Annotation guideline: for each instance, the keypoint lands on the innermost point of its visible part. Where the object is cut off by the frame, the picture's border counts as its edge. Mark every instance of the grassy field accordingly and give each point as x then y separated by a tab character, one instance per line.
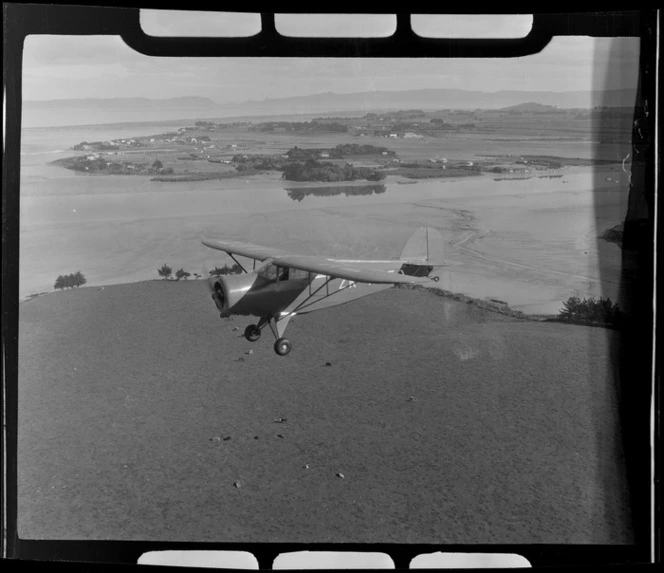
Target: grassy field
142	415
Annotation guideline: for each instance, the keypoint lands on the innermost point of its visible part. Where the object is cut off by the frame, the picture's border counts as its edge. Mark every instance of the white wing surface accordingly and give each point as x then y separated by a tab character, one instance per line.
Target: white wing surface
319	265
339	270
256	252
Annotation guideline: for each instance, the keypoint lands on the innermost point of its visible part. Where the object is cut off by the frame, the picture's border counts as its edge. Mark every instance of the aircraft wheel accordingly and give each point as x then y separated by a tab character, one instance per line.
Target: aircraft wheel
252	333
435	279
282	346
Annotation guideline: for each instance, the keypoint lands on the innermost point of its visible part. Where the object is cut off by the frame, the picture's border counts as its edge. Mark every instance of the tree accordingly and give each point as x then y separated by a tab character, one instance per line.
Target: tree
157	165
70	281
165	272
182	274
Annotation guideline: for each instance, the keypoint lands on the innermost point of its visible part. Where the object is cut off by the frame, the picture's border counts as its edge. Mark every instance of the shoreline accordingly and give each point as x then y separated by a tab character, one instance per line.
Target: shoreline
499	307
490	305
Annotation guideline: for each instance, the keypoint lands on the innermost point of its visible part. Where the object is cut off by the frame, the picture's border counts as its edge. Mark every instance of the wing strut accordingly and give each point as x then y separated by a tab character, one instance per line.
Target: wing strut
238	262
306	302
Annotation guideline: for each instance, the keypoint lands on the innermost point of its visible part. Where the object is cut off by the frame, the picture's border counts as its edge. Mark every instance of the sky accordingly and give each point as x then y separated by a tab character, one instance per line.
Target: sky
66	67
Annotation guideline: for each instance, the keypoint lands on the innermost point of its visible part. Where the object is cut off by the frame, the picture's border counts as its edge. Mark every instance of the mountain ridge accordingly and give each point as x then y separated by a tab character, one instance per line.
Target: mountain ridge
122	102
85	111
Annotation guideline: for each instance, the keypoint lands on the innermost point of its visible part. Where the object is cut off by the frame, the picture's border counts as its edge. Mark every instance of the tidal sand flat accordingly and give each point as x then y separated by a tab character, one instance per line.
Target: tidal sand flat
403	417
530	243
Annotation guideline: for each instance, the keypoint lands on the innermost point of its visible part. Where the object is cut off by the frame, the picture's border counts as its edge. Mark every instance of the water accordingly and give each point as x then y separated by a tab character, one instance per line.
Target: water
300	193
528	242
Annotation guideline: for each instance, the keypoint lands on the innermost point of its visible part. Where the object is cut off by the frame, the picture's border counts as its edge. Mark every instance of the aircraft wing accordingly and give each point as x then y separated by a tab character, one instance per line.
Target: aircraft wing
352	272
339	270
248	250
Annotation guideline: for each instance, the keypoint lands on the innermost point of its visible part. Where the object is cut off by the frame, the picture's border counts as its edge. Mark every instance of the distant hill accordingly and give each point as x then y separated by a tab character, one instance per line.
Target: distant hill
442	99
185	102
135	109
531	106
378	100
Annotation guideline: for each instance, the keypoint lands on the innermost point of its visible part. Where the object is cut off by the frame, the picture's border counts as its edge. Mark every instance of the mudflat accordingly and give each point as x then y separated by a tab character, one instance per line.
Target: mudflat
404	417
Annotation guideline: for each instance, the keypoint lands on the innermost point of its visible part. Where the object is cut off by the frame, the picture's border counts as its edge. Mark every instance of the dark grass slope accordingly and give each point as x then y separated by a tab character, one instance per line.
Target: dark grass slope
449	423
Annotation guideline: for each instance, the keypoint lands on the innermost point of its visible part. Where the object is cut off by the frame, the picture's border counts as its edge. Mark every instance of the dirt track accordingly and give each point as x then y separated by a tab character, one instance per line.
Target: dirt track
140	409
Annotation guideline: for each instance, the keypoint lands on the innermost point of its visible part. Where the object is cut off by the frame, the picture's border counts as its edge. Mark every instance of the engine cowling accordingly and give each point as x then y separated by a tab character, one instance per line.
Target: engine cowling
228	290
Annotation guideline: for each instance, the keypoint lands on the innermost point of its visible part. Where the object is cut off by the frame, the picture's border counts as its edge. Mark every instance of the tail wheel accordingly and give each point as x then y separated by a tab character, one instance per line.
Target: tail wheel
252	333
282	346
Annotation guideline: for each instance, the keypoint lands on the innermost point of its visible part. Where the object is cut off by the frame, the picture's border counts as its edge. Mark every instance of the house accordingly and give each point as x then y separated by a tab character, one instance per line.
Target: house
393	135
411	135
325	154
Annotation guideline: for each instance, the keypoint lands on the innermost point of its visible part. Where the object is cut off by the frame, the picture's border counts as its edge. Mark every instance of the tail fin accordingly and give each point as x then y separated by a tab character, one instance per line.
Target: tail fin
425	247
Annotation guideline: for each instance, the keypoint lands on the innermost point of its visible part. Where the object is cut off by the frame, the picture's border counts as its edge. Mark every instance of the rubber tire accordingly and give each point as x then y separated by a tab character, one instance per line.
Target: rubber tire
252	333
282	346
435	279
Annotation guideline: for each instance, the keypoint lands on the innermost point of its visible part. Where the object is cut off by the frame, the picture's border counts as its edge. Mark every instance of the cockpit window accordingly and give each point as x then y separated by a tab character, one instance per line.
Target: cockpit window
273	273
283	273
268	272
297	274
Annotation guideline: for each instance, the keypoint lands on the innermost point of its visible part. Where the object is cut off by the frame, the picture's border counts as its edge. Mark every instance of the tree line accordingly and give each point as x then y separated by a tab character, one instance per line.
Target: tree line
166	272
602	311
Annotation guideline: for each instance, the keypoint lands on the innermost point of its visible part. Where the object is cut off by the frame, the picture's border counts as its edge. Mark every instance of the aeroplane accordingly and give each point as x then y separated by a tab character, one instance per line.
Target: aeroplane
286	284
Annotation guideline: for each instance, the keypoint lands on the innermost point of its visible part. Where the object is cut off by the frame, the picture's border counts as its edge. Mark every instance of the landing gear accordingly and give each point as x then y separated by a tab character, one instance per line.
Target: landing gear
278	326
435	279
282	346
252	333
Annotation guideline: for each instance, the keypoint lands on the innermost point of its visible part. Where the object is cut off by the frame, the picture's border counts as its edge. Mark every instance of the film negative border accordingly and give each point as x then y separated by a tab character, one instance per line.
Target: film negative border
21	20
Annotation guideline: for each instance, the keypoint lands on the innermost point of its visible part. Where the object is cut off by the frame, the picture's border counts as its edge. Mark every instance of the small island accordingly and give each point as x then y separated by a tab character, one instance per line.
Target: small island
415	143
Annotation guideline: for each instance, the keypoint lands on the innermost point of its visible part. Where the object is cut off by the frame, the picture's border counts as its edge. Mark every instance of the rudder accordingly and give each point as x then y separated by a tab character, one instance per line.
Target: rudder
425	247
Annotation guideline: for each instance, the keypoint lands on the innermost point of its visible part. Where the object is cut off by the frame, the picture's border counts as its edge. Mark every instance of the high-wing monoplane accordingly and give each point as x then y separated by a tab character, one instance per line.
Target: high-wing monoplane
285	284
